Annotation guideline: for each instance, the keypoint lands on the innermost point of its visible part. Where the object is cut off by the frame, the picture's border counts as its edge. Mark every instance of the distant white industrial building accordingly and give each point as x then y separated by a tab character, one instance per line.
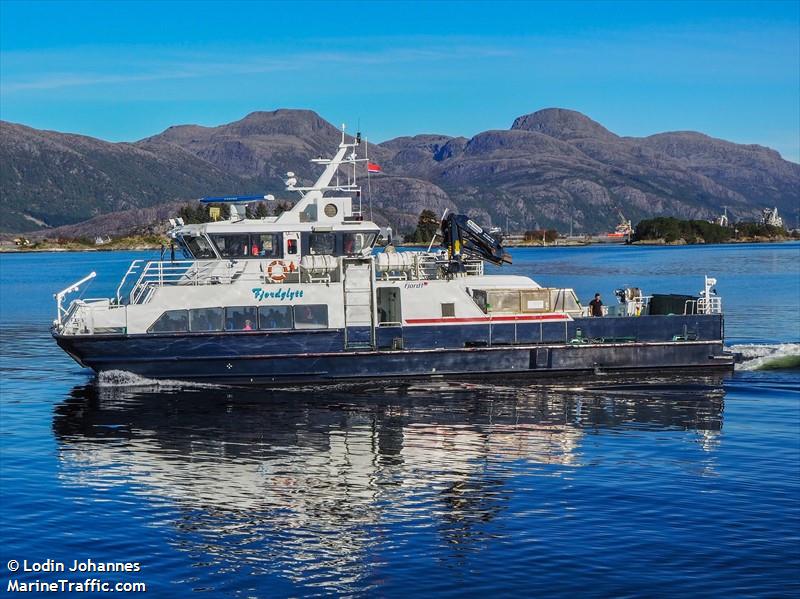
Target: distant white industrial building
770	217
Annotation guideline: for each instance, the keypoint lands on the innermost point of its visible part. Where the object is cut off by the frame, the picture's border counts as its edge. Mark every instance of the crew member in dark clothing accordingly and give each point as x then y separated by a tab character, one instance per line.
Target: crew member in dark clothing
596	306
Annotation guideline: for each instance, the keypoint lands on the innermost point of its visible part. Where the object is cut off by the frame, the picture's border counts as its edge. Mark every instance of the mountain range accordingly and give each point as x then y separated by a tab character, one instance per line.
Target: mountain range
552	168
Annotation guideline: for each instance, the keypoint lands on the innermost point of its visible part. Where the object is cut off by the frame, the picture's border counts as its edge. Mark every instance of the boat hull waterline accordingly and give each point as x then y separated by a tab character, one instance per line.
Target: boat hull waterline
317	357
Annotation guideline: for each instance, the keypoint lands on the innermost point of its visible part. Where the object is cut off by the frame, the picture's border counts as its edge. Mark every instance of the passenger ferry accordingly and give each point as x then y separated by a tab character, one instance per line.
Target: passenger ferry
307	297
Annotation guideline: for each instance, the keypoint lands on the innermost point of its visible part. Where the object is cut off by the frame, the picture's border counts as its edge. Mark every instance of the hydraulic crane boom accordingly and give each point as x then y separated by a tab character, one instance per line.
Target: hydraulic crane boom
463	237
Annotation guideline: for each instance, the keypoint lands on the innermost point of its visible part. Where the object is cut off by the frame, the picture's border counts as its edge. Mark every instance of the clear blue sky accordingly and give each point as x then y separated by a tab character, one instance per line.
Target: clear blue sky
126	70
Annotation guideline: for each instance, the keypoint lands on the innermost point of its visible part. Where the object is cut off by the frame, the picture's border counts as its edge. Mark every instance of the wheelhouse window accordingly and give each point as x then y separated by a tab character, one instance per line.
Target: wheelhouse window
354	243
197	247
265	245
275	317
171	321
322	243
312	316
206	319
241	318
232	246
256	245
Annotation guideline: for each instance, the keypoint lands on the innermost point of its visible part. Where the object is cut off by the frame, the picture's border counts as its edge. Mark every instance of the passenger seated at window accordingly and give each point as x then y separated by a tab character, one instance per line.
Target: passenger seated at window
205	319
236	318
310	317
271	321
275	317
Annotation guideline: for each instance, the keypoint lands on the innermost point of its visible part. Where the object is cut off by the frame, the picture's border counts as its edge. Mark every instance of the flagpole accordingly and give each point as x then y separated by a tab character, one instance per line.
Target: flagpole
369	181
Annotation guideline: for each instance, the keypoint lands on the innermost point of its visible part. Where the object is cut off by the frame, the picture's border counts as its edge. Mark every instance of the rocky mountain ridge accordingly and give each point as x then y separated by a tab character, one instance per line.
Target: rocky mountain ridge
551	168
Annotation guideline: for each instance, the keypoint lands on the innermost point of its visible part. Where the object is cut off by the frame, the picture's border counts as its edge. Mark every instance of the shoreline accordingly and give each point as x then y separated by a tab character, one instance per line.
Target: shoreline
645	243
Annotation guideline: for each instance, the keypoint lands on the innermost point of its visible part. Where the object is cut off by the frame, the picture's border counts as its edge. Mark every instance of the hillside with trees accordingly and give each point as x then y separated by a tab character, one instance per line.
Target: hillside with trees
672	230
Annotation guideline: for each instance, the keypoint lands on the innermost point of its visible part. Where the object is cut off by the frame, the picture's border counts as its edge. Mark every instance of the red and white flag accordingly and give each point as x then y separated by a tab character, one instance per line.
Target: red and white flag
373	168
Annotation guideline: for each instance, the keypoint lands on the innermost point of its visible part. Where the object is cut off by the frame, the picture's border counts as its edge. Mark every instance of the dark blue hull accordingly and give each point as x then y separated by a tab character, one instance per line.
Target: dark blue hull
300	357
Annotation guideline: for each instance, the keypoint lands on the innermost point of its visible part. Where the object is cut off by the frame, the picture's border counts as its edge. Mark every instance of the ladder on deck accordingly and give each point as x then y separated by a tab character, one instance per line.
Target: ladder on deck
358	287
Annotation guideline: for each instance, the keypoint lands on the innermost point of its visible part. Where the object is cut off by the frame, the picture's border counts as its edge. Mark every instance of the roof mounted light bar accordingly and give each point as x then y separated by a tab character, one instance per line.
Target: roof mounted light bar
236	199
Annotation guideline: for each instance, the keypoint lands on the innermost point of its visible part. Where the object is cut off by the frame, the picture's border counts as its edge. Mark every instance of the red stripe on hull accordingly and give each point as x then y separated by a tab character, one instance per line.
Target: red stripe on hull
548	317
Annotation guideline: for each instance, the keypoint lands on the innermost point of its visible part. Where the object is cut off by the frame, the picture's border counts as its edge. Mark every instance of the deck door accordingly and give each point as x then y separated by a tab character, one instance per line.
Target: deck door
358	288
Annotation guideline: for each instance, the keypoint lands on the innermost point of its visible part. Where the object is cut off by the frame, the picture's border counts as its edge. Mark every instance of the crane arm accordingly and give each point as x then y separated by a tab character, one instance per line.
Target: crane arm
462	236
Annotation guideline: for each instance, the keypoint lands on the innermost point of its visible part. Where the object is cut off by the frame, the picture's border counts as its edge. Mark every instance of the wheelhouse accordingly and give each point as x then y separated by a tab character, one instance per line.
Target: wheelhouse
206	242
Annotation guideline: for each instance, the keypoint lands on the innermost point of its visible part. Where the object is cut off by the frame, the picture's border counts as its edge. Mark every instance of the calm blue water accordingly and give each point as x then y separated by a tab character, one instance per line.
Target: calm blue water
602	487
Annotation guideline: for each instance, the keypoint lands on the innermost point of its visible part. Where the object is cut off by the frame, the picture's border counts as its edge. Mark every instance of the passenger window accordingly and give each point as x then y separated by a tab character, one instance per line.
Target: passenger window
205	319
448	310
322	243
171	321
311	317
275	317
241	318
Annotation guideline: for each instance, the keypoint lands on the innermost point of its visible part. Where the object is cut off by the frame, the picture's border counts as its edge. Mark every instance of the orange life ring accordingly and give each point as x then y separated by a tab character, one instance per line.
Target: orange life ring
277	278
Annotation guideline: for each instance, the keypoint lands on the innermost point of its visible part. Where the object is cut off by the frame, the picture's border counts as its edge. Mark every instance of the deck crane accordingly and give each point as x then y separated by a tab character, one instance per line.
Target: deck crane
462	237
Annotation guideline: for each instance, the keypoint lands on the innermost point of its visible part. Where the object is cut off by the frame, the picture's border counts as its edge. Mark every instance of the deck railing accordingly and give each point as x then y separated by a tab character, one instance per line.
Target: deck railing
704	305
180	272
142	278
62	314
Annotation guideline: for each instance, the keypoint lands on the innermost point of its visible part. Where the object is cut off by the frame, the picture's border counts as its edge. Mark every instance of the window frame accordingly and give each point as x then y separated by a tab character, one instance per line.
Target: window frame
151	331
221	319
310	244
288	308
326	325
184	241
368	237
254	319
277	245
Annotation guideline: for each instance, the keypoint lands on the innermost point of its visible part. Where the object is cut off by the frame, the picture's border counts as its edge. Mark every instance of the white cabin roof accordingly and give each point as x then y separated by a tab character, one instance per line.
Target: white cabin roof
270	225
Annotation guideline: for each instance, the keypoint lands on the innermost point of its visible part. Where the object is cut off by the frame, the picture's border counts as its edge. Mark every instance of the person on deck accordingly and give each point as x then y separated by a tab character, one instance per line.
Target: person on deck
596	306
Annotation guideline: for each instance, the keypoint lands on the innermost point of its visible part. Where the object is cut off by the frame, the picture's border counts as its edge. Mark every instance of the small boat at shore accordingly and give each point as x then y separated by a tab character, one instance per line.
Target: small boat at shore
622	233
308	297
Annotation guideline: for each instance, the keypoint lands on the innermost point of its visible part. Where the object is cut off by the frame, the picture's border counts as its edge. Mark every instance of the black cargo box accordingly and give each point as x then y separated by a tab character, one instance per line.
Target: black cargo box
673	304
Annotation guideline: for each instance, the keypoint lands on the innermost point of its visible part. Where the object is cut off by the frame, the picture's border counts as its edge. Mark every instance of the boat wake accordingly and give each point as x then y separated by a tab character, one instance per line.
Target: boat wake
123	378
778	356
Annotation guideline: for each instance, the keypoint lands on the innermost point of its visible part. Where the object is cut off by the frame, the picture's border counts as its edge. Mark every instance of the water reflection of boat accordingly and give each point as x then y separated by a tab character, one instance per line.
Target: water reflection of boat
307	480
